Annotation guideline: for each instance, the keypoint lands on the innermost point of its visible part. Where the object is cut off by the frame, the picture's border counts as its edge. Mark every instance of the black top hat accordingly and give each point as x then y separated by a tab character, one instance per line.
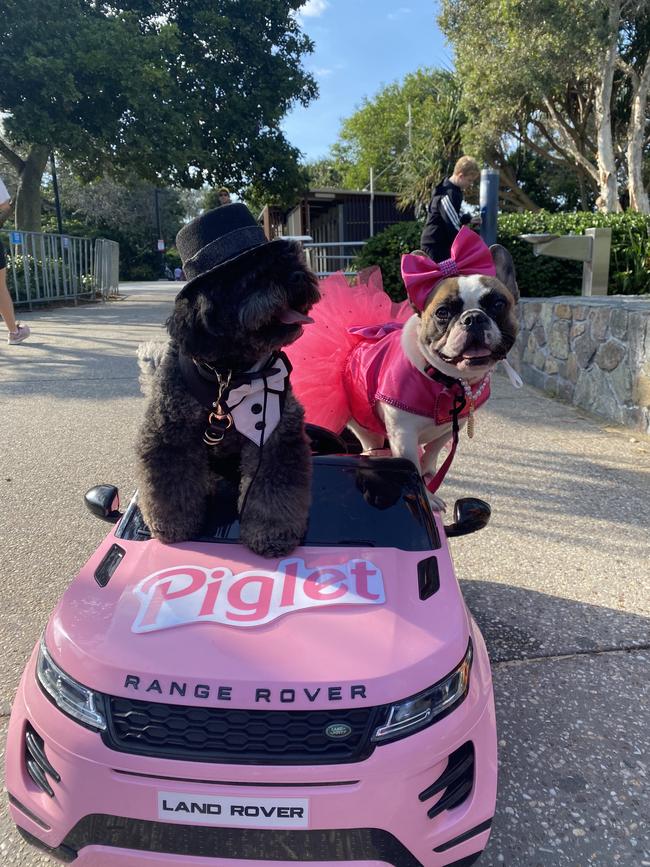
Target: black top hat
216	238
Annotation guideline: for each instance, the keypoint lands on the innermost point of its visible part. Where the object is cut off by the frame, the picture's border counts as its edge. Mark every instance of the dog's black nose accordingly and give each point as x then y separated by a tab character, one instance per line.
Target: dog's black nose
474	318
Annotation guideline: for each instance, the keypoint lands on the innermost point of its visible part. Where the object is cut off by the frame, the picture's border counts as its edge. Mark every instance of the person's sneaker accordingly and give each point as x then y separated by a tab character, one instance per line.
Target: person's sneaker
17	336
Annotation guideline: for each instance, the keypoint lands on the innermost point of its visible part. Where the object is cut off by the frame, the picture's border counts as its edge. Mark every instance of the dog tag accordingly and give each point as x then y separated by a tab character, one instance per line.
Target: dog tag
217	427
470	420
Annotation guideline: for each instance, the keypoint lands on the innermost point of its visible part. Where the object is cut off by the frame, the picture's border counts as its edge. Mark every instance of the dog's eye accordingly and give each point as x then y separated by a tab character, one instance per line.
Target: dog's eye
498	304
443	313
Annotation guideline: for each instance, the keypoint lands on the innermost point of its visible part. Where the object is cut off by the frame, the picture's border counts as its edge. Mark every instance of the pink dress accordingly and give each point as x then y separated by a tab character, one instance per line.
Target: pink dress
352	356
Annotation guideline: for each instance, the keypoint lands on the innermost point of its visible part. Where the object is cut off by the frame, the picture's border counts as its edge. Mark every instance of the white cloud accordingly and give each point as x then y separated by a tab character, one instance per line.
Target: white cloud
313	8
399	13
322	71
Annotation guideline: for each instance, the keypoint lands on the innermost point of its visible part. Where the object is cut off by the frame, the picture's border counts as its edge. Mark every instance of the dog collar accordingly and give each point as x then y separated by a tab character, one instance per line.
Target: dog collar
437	375
251	401
471	395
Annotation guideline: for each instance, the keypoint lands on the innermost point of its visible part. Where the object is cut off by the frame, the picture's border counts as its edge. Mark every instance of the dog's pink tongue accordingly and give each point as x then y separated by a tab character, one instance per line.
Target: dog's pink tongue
476	353
292	317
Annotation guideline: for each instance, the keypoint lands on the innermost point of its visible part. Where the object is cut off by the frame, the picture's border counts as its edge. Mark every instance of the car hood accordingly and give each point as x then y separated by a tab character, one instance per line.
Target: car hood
199	623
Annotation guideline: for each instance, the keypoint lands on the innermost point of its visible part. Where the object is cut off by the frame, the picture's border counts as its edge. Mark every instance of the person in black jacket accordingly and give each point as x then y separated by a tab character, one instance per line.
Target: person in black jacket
443	217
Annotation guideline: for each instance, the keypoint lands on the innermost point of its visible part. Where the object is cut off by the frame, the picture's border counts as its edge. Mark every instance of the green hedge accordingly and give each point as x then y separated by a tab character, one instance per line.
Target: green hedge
385	250
539	276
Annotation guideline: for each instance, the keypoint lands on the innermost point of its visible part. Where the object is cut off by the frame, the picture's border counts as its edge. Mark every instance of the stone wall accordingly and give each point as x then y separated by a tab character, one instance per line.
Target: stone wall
592	352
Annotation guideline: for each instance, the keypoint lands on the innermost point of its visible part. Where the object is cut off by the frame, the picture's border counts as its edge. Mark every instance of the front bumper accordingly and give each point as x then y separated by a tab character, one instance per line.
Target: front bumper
105	808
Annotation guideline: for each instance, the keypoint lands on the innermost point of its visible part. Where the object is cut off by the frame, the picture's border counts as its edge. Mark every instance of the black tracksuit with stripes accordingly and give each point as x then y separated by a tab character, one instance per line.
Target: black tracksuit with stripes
443	221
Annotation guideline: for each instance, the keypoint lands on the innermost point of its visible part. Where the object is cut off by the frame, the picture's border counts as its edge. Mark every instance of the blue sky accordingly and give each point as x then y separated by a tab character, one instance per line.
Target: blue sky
360	46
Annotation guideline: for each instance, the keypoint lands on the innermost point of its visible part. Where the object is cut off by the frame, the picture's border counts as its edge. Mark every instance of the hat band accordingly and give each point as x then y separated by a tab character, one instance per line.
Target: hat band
222	249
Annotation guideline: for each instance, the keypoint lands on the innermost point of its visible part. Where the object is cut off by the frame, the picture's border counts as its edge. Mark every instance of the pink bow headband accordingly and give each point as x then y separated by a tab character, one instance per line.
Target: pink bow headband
469	255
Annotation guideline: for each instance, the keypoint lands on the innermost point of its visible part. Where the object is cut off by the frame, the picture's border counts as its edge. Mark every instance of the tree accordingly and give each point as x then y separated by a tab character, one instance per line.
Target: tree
181	92
409	134
547	186
377	135
634	61
434	140
129	206
327	172
124	211
411	155
566	78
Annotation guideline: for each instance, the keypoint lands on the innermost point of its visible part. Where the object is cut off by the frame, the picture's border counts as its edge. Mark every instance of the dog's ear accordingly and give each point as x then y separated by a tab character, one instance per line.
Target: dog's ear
259	307
189	318
505	269
181	319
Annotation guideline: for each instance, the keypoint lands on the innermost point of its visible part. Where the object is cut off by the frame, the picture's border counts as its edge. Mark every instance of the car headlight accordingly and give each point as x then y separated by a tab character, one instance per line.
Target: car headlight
75	700
425	708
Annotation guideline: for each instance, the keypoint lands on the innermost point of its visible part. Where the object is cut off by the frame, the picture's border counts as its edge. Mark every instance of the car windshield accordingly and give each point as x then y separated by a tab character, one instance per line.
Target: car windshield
375	502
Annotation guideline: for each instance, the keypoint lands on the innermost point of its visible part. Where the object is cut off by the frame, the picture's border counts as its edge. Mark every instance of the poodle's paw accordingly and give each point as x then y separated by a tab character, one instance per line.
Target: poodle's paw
269	542
170	531
167	535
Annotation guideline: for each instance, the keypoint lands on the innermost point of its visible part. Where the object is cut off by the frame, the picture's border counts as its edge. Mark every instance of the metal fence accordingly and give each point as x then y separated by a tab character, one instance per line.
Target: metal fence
42	268
338	256
107	267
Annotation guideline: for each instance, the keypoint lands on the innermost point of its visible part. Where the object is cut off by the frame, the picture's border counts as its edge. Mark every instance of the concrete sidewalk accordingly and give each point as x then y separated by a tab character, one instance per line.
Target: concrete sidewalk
559	581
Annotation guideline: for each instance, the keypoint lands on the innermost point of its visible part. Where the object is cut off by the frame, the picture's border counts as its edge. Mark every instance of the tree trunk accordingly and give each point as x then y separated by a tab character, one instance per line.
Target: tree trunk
635	141
514	195
608	186
28	199
583	190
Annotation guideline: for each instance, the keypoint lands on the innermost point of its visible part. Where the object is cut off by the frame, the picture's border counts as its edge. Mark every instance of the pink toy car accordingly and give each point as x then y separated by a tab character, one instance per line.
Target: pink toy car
197	705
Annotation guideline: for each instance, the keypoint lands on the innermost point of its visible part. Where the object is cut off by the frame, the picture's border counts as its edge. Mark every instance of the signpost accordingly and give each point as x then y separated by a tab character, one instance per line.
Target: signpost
489	202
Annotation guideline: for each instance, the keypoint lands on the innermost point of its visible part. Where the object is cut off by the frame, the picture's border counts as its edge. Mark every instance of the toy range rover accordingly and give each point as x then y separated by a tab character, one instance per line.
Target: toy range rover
198	705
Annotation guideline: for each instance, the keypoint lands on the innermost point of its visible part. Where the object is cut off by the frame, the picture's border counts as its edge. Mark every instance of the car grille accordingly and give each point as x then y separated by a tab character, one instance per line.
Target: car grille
240	844
272	737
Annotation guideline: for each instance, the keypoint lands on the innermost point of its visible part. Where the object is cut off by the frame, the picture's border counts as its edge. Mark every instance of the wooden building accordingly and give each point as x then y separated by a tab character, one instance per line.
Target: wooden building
330	216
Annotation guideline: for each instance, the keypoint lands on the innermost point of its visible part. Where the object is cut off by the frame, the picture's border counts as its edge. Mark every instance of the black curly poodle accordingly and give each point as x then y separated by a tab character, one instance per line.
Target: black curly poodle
226	333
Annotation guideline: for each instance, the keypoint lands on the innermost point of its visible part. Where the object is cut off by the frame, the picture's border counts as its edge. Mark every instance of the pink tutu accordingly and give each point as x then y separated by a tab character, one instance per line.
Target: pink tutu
320	356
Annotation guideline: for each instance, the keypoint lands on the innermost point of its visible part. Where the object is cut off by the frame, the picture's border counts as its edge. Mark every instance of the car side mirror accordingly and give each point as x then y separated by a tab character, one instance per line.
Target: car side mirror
104	502
470	514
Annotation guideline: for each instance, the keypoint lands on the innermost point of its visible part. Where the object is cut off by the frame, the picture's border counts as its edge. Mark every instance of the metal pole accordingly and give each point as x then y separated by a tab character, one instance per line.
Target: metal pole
410	126
159	228
489	203
372	201
595	271
57	201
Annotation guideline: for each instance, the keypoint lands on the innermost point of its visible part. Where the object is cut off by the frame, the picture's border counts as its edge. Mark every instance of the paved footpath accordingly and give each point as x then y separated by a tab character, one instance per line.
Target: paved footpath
559	581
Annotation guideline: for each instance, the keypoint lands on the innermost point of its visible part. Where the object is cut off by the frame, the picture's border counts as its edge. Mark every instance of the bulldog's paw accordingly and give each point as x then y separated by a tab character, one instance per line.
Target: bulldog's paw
437	503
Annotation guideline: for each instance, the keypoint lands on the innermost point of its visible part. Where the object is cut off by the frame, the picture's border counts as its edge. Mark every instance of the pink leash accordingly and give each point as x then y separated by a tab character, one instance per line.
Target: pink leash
436	481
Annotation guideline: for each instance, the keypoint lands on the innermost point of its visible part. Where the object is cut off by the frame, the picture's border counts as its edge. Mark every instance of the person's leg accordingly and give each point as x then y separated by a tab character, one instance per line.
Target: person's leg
17	333
6	304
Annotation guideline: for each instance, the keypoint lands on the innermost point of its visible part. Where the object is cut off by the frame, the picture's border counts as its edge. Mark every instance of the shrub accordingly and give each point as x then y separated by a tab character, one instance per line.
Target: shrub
142	273
173	258
385	250
540	276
